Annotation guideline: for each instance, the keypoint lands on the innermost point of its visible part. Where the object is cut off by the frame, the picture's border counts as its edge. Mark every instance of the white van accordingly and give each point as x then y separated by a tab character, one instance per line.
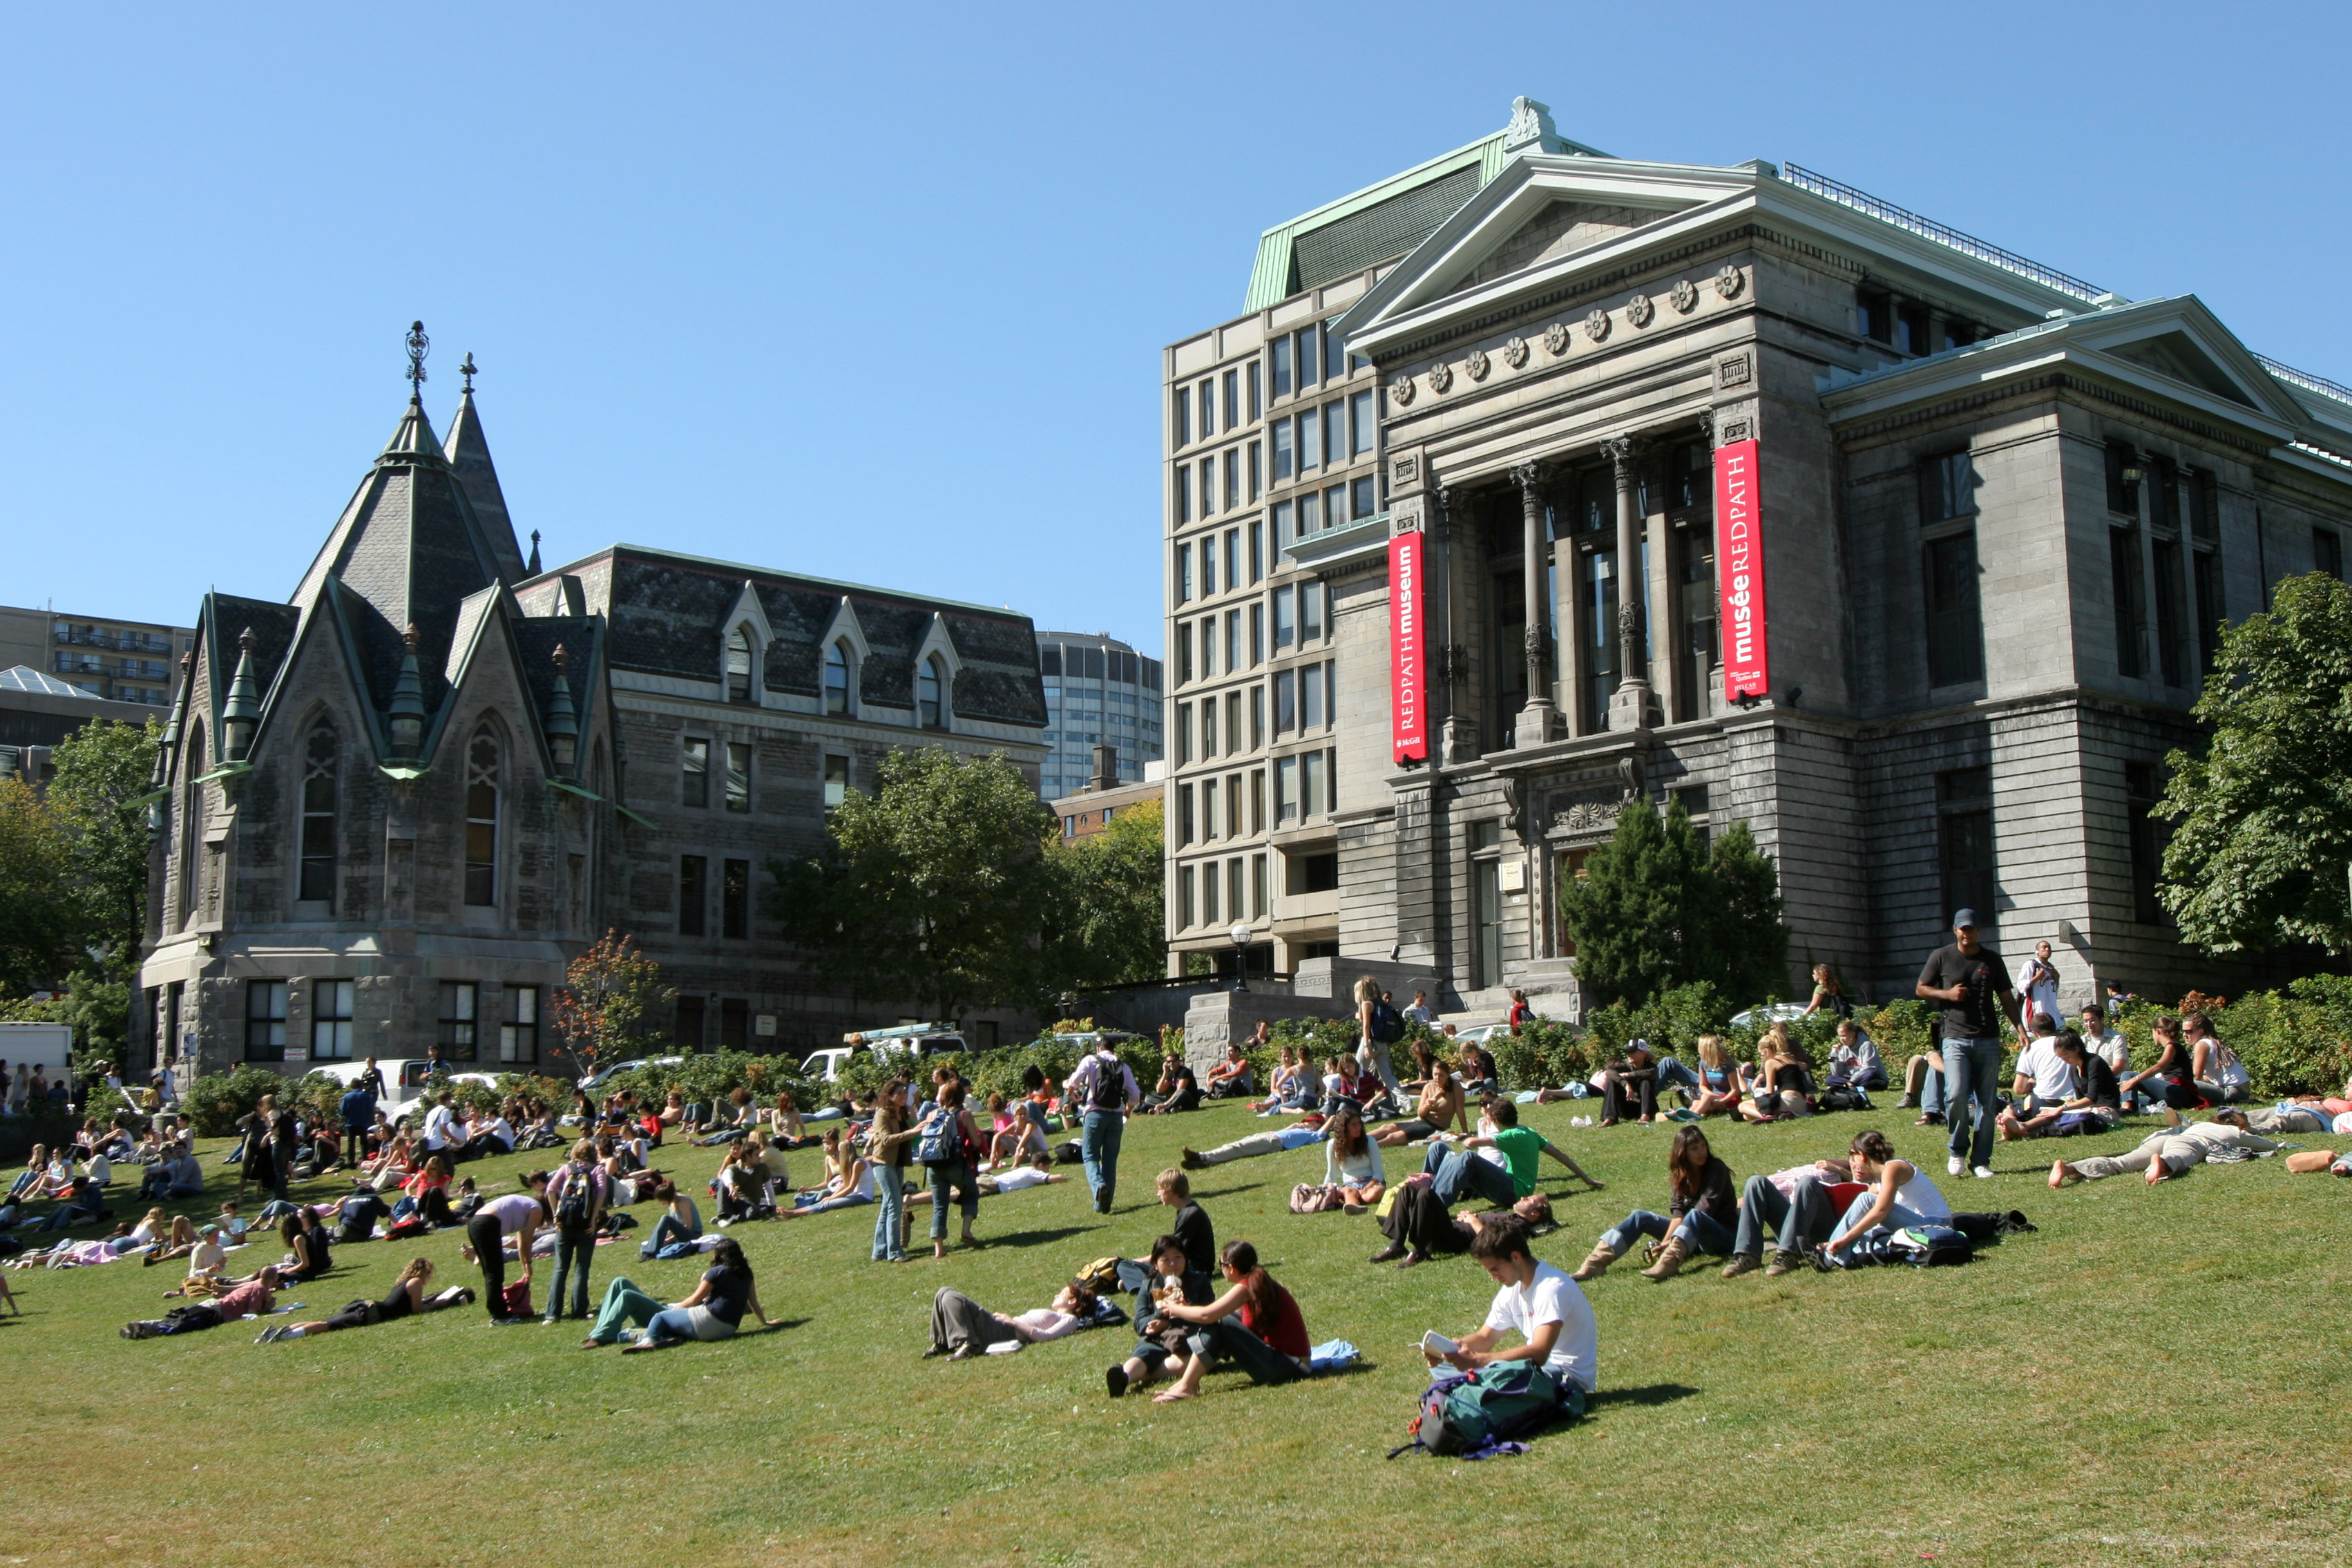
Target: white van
48	1046
403	1082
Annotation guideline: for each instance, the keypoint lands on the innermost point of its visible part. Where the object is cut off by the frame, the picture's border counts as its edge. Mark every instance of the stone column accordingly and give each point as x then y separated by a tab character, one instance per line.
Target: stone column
1630	705
1539	721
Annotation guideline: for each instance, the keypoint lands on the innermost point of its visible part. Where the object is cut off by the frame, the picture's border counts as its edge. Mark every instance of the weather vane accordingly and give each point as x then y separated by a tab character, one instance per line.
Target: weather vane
419	345
468	370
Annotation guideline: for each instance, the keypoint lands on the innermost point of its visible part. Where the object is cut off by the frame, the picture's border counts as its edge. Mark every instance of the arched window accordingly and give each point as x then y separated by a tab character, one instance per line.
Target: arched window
836	680
930	688
192	823
318	879
482	819
738	665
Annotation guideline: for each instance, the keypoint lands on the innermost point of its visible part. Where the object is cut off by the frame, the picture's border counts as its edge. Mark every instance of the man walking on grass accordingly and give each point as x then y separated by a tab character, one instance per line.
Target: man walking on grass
1105	1090
1973	983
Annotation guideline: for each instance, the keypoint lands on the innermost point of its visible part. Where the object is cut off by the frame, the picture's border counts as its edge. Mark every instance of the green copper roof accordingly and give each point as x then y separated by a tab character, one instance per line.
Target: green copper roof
1395	215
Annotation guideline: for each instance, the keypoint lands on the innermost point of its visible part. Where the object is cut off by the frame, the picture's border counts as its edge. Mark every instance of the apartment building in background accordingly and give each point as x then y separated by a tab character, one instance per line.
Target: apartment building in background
122	661
1098	692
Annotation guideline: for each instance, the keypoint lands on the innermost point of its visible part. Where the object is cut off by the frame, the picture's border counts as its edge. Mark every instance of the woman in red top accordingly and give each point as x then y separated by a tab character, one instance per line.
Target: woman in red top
1520	1012
1255	1325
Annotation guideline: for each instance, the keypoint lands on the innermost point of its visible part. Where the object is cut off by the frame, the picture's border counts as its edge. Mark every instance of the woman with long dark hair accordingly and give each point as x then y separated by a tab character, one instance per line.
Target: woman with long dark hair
2175	1084
1255	1324
1703	1214
889	1144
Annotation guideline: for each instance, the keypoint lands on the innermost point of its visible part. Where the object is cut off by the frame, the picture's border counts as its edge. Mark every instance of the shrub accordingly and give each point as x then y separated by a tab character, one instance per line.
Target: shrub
218	1101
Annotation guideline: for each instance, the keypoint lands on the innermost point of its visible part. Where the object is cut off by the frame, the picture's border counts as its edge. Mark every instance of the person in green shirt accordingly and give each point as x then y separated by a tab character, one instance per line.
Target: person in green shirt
1456	1168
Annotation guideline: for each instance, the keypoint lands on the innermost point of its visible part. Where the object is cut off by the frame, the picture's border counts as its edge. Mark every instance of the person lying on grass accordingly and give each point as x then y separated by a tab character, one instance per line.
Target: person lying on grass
249	1299
2167	1153
1032	1174
1534	1300
1255	1324
962	1328
407	1299
1297	1135
1169	1280
1419	1227
1703	1214
713	1311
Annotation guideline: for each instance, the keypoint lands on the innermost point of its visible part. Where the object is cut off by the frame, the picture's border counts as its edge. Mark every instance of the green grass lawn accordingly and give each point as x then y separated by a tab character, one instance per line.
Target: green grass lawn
2151	1378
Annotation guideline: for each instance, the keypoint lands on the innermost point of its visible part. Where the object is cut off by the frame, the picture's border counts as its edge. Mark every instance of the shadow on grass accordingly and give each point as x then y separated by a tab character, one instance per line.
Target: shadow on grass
1039	1237
1649	1395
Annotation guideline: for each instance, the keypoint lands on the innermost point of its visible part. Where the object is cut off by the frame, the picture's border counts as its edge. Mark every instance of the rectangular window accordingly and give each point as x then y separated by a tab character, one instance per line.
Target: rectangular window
735	1013
1335	432
1256	551
1232	398
2131	601
265	1020
1233	641
2123	479
1257	471
1282	368
331	1006
1183	652
1257	718
1232	722
1232	559
1208	485
1911	330
1283	461
2143	788
693	877
1310	611
1254	400
1256	635
1208	565
1183	492
1233	874
458	1019
1184	734
688	1027
1184	573
1183	416
1286	792
1208	409
1209	646
1183	814
1208	810
1257	887
1964	841
1875	317
2171	611
1209	880
1208	727
1310	360
1335	354
1367	495
1281	524
1257	803
2327	552
1335	505
518	1032
1234	806
735	900
1955	617
1367	424
1185	911
1310	513
836	780
1310	442
1285	629
1311	696
738	776
1233	477
1285	709
1948	486
1310	785
694	784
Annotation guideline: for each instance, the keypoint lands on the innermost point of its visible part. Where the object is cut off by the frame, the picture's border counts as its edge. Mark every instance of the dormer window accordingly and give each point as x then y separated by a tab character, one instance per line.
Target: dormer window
738	665
836	680
930	688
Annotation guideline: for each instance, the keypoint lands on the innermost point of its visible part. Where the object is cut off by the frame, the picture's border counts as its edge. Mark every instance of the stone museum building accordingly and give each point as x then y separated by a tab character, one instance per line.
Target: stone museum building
392	807
1534	479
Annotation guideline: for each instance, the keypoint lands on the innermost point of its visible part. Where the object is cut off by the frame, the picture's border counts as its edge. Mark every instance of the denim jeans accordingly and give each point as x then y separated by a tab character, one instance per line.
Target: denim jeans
1098	1147
666	1229
1454	1171
1793	1223
890	1187
955	1174
1675	1070
623	1305
573	1250
1700	1233
1226	1339
1972	1068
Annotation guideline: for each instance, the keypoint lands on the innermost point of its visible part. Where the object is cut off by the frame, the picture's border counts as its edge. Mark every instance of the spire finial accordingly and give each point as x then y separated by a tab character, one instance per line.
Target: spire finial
563	660
468	370
419	345
409	637
534	553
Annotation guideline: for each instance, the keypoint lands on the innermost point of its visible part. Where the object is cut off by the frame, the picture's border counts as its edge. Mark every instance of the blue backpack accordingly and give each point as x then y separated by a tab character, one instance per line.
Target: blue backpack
1465	1416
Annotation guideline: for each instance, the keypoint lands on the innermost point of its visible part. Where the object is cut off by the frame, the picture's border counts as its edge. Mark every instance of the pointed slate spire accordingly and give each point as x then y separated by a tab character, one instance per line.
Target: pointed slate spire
469	453
408	703
562	721
533	567
242	712
412	438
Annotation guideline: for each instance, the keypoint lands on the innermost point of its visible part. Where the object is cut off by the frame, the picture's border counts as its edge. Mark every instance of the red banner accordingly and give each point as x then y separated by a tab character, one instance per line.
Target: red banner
1408	649
1739	572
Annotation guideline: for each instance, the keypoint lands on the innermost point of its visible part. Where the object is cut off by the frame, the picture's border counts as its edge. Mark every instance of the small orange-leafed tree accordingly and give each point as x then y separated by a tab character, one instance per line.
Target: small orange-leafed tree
610	1006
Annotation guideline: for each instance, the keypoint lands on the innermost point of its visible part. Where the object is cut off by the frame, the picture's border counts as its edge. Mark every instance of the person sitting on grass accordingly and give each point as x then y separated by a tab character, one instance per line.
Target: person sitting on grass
743	1187
1540	1304
179	1242
408	1299
1900	1193
251	1299
2218	1073
1170	1279
2169	1079
1231	1078
1182	1091
2043	1081
1855	1061
1192	1228
1441	1106
849	1180
1923	1087
1458	1166
1255	1324
1293	1088
175	1175
1351	1162
962	1328
713	1311
680	1221
1634	1075
739	1120
2094	1107
79	1204
1703	1214
1475	1063
1419	1226
1793	1208
1719	1078
2167	1153
429	1190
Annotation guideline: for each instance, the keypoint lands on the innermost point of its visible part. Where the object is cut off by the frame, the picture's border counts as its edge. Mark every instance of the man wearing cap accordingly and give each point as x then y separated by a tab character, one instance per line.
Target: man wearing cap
1973	983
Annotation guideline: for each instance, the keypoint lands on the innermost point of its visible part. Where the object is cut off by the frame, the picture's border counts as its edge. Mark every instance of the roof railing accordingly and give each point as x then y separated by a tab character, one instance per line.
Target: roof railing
1942	234
2306	380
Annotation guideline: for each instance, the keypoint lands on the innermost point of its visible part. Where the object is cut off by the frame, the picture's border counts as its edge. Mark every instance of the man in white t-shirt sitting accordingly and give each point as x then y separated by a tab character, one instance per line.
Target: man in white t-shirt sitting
440	1124
1537	1302
2045	1081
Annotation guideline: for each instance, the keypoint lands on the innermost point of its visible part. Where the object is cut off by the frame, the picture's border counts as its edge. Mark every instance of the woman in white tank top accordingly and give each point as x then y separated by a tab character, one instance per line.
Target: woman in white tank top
1900	1193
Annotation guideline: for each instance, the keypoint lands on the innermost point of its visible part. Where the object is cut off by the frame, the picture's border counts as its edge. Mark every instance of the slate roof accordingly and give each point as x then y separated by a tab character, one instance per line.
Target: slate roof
469	455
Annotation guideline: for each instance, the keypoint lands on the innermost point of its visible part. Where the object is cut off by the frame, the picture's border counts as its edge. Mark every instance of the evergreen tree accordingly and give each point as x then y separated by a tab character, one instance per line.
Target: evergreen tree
1746	955
1653	910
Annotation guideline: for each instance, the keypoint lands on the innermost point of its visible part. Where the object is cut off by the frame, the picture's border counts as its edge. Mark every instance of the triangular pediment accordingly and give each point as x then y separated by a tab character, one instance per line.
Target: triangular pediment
1564	225
2177	354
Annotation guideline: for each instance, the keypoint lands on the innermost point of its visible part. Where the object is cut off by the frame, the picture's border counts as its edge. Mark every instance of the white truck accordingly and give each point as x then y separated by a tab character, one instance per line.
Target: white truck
48	1046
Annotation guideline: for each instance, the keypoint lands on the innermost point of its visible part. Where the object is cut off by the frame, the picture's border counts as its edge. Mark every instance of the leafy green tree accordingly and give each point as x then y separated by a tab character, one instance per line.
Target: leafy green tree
2262	821
1655	911
100	768
934	887
1746	952
40	913
1112	923
611	1004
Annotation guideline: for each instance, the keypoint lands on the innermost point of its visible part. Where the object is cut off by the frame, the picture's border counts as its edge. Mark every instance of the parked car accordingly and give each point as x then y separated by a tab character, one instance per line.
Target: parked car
1769	1013
825	1065
596	1080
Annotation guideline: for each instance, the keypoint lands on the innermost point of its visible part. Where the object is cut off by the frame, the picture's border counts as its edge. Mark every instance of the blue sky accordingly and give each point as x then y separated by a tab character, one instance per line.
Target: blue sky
877	292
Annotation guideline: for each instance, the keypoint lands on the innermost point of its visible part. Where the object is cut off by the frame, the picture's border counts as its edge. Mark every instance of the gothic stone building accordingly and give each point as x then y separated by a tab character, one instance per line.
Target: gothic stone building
1973	521
393	808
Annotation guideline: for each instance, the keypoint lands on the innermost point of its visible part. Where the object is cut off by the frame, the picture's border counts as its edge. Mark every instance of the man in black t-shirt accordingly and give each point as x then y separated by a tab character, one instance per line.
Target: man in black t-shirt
1973	983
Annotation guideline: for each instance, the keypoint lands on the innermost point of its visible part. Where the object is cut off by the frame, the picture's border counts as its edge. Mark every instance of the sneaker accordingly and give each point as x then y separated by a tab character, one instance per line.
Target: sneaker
1192	1161
1910	1102
1983	1172
1115	1380
1954	1166
550	1320
1742	1263
270	1335
1783	1262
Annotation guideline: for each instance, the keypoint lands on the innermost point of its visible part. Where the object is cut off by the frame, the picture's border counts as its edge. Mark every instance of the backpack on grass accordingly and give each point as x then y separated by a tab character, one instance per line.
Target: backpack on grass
1921	1246
1475	1418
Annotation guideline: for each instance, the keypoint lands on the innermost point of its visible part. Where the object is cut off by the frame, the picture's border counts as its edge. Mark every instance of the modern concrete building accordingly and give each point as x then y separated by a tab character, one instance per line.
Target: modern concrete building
1730	485
1098	692
394	807
122	661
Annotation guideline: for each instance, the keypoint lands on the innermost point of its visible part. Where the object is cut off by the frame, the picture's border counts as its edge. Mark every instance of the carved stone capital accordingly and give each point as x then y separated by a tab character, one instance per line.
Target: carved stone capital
1622	451
1528	475
1626	623
1706	424
1532	638
1440	510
